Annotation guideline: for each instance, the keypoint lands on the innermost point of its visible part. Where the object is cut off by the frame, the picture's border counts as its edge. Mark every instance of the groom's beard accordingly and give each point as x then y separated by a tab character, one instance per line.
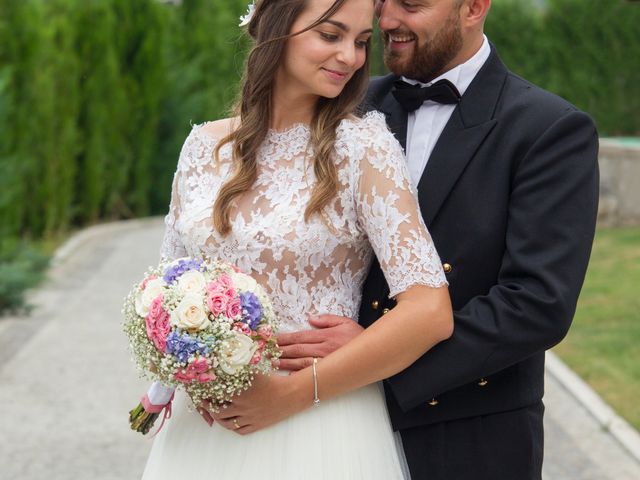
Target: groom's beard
429	60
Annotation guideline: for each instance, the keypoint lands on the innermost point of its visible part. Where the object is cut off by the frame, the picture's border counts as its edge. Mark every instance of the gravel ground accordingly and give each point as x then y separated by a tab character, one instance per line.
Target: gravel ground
66	380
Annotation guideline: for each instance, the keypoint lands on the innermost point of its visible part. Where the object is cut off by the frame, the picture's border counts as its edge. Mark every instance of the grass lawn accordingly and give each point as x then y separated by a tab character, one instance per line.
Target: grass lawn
603	345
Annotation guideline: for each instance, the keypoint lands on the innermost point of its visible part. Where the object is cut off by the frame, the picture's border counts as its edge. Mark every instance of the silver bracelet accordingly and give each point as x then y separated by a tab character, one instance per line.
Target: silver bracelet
316	400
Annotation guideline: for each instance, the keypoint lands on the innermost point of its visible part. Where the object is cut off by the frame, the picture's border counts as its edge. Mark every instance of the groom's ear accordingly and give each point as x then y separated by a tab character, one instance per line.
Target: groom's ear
473	13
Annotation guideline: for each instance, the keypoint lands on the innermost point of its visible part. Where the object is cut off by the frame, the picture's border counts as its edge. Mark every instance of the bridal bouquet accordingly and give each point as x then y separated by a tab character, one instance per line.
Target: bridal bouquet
199	325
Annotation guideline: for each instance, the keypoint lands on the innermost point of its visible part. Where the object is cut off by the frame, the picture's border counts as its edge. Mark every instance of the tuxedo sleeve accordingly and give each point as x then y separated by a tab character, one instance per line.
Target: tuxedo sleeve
551	214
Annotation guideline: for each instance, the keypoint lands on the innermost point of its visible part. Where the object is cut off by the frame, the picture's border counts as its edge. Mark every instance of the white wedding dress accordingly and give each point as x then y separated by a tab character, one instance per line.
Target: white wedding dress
307	268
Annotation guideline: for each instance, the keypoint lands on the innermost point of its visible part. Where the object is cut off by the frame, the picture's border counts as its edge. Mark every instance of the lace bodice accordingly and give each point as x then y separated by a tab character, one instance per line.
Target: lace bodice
315	267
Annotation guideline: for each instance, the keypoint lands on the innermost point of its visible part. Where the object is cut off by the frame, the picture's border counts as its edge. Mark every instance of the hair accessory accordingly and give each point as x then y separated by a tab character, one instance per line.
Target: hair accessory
245	19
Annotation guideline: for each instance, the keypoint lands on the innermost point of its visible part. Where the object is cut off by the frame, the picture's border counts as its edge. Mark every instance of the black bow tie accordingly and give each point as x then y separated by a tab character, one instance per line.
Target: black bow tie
412	96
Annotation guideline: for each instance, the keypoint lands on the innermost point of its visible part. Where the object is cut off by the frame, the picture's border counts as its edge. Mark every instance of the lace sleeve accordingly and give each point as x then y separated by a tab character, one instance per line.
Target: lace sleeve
388	211
172	246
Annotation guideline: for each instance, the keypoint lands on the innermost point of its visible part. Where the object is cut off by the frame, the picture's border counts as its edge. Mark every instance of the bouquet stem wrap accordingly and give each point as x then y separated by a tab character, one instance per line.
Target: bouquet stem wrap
145	414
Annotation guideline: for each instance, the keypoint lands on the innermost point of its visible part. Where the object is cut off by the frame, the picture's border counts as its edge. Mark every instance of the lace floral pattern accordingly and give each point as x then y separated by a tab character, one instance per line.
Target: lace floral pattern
307	267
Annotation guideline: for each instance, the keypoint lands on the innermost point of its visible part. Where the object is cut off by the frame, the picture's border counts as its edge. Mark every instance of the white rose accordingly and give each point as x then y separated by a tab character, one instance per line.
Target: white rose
192	282
190	313
236	352
243	282
144	298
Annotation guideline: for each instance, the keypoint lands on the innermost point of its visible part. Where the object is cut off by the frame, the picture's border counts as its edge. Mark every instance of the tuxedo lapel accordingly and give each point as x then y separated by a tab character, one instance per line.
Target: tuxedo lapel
470	123
453	151
468	126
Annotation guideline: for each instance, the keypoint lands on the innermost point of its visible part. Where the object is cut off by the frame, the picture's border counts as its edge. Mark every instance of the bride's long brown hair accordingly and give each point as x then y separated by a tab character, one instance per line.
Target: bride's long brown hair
269	28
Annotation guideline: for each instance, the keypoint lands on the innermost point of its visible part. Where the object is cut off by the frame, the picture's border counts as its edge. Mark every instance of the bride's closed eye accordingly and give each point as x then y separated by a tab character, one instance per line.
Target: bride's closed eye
329	37
332	37
363	43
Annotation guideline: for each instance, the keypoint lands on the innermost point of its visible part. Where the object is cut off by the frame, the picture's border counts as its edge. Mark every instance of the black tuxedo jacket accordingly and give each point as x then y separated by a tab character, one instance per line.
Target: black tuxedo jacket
510	197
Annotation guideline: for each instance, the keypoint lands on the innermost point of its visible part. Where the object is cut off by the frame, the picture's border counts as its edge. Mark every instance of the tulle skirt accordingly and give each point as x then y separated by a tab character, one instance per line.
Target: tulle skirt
349	437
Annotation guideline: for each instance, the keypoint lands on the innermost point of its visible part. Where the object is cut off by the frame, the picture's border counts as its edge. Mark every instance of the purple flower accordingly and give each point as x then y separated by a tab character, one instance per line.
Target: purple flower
183	346
175	271
251	309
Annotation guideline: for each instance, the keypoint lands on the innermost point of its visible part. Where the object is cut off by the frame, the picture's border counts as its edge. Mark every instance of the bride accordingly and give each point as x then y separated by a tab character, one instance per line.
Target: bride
300	192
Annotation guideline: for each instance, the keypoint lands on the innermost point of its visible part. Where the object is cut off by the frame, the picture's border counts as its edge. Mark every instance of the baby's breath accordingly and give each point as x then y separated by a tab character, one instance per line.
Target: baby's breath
215	338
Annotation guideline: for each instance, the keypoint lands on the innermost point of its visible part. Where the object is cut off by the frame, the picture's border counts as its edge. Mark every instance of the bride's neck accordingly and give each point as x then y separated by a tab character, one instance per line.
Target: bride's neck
290	108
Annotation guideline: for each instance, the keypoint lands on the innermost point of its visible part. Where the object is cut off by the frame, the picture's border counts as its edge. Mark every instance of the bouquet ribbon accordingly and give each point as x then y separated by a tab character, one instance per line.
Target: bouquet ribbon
158	398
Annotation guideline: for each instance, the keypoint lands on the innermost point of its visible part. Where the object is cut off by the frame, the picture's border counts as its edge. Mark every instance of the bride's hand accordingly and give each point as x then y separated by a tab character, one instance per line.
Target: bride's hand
270	399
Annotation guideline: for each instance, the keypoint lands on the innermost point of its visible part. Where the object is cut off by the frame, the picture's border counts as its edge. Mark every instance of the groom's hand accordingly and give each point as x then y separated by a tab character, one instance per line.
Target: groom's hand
299	348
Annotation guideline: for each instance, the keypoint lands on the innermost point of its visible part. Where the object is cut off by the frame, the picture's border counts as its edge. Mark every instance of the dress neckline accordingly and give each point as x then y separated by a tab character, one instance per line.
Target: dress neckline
297	130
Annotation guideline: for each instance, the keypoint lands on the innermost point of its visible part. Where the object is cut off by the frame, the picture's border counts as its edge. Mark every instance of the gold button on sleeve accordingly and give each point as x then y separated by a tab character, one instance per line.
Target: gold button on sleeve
483	382
433	402
375	304
447	267
385	311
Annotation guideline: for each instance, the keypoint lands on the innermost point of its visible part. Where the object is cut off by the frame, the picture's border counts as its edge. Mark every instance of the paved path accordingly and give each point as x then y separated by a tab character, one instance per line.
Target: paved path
66	381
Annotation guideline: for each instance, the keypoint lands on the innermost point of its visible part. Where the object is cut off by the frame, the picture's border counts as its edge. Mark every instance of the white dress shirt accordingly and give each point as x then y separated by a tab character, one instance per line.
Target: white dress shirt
429	120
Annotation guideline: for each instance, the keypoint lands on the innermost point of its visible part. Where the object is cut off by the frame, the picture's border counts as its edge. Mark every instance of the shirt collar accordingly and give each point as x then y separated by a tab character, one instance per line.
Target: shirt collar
462	75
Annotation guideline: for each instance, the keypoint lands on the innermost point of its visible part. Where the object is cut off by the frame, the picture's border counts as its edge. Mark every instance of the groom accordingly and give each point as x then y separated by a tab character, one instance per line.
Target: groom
508	185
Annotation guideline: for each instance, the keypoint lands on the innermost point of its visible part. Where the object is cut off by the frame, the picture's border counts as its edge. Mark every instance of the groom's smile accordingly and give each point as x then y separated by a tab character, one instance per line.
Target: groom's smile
398	41
423	38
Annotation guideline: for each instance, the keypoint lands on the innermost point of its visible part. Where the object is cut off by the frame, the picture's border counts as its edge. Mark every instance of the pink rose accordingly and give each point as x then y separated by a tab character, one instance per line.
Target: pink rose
155	310
265	331
160	342
195	370
223	287
256	358
150	324
163	323
199	365
183	376
206	377
214	287
234	308
158	324
261	345
161	331
226	282
217	302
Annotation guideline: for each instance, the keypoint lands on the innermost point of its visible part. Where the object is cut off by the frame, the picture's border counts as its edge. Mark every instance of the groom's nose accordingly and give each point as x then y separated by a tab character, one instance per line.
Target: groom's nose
388	15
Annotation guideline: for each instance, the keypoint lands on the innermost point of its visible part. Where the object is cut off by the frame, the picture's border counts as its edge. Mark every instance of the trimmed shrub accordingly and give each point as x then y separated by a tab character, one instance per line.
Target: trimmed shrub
21	267
586	52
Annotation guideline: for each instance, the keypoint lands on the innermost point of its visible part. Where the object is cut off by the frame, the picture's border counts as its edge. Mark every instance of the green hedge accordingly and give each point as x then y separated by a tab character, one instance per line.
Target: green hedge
587	51
96	97
22	266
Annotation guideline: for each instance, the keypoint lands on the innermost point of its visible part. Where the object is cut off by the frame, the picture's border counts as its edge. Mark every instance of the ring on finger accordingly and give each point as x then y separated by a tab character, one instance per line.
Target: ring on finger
236	425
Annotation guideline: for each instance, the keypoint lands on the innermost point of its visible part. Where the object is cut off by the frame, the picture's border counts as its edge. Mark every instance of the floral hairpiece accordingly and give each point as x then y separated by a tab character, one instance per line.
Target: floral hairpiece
245	19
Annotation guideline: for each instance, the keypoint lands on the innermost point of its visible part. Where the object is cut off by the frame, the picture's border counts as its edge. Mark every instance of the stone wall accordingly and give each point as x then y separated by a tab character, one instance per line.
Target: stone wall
619	182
